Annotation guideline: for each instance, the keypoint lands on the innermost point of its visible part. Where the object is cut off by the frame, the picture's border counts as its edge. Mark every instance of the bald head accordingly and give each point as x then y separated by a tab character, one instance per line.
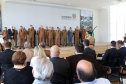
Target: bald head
55	51
86	71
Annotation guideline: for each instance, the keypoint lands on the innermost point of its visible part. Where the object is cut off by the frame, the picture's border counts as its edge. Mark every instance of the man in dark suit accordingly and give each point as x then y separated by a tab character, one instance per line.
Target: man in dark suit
6	56
88	50
61	67
70	35
122	53
111	55
11	34
79	48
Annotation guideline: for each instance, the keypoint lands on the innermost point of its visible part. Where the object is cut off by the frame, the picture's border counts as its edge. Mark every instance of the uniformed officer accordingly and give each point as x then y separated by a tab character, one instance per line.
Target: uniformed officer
38	35
5	34
22	36
58	36
31	33
41	33
46	35
26	32
64	37
54	35
50	33
83	32
76	35
15	37
91	40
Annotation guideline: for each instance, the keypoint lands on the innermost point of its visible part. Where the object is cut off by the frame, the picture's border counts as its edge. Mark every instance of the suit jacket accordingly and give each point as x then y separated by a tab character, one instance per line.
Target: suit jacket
111	57
29	54
89	51
70	34
122	56
76	58
10	33
6	56
61	69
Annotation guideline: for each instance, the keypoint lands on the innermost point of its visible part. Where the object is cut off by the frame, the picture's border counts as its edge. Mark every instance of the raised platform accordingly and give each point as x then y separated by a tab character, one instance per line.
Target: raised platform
69	50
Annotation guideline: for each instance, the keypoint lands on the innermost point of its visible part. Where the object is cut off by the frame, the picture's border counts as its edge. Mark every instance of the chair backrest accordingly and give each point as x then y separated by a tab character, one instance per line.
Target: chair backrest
28	63
59	82
100	55
115	70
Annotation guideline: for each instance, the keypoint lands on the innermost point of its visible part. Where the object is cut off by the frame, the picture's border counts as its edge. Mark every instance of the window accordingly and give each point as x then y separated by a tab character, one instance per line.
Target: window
117	21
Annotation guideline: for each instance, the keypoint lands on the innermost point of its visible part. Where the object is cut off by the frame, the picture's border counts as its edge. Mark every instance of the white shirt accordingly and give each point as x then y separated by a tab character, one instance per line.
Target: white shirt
97	81
1	39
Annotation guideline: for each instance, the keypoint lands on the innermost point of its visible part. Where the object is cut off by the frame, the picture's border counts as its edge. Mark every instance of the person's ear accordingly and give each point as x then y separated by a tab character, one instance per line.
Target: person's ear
51	75
33	72
25	64
78	76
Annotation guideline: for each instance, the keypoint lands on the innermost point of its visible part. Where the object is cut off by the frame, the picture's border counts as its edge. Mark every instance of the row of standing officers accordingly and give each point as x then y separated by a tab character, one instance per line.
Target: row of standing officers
49	36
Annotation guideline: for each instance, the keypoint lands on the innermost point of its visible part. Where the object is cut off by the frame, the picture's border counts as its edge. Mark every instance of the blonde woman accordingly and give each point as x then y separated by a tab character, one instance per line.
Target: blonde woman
38	53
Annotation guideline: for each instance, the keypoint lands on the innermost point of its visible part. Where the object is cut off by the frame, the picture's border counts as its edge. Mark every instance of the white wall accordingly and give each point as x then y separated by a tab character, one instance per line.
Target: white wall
20	13
104	25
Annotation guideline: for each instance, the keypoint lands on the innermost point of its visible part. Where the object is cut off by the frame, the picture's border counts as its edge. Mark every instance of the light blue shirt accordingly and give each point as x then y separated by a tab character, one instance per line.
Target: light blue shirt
97	81
54	56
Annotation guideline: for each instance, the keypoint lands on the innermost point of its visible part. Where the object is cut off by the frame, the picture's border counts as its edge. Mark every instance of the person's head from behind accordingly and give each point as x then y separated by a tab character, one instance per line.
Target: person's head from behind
85	71
120	43
113	43
27	44
42	44
8	45
39	52
55	51
19	58
89	33
42	69
86	42
79	48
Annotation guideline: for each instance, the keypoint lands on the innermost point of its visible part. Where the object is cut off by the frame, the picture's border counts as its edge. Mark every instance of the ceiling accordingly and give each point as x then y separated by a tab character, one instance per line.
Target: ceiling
93	4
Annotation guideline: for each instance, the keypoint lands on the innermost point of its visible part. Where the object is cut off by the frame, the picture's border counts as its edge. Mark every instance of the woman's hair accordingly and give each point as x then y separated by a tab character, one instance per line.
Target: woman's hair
39	52
19	58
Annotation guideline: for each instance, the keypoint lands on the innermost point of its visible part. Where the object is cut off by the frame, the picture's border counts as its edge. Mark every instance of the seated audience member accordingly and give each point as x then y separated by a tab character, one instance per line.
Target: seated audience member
47	52
6	56
122	53
79	48
42	71
29	53
88	50
20	73
111	56
86	74
38	53
61	67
